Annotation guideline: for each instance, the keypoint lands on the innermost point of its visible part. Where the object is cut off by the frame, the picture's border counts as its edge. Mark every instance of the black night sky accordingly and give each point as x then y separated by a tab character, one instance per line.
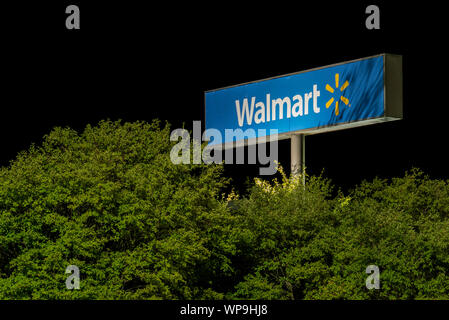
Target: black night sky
136	61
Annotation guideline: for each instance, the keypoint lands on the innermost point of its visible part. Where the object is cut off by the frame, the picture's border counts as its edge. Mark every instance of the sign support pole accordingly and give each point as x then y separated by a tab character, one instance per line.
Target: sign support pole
297	160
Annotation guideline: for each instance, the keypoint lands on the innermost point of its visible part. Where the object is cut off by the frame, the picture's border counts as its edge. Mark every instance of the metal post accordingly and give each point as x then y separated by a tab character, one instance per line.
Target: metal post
297	148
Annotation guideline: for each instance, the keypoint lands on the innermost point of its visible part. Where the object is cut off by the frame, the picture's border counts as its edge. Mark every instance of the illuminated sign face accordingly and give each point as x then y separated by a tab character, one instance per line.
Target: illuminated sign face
340	96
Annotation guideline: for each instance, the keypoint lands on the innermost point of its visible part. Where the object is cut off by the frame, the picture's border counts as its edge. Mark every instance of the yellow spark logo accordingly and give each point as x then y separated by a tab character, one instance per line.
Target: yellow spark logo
331	90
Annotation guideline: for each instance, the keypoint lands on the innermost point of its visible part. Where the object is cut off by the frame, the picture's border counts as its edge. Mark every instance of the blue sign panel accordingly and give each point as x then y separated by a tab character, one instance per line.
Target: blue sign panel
304	102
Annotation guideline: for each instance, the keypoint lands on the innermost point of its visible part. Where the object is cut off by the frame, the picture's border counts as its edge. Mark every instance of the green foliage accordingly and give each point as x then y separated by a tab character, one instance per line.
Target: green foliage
110	201
306	244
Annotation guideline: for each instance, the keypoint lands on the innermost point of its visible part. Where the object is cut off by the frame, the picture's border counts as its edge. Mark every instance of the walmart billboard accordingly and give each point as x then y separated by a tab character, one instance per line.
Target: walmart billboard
349	94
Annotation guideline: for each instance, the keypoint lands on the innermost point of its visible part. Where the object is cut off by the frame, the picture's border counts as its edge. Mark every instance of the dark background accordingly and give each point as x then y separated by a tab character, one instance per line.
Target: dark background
144	60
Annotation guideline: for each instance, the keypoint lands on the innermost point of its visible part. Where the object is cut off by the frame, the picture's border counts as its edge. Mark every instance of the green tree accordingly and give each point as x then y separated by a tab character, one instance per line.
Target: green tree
110	201
307	244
